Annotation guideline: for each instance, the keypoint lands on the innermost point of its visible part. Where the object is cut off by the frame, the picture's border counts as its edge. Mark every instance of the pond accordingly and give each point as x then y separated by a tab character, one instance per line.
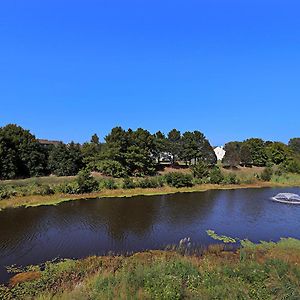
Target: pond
81	228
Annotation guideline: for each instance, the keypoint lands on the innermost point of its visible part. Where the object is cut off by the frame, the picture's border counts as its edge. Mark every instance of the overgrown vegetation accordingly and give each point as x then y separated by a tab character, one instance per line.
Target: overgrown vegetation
135	153
9	191
263	271
85	183
256	152
266	174
135	157
151	183
178	180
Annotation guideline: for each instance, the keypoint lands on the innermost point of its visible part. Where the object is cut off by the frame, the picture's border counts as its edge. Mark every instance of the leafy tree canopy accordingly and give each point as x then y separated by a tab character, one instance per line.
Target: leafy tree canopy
91	151
132	151
174	138
245	155
294	144
232	156
65	160
258	151
278	152
21	155
195	146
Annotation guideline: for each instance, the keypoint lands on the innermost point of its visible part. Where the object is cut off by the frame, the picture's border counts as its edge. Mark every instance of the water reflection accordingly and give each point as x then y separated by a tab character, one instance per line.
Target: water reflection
194	208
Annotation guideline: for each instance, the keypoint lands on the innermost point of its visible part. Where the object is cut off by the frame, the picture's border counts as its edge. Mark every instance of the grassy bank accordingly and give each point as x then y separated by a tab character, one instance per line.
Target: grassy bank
264	271
50	180
285	180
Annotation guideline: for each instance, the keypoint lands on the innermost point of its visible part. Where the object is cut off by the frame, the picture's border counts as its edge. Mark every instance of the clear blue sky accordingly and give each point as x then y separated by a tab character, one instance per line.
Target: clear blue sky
231	69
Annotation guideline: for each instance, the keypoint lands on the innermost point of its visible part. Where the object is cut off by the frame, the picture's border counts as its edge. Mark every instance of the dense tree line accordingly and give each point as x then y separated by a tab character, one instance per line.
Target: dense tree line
134	153
124	153
257	152
20	153
139	153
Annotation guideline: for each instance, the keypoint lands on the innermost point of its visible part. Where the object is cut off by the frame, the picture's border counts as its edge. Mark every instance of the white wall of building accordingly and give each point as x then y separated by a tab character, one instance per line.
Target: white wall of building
220	152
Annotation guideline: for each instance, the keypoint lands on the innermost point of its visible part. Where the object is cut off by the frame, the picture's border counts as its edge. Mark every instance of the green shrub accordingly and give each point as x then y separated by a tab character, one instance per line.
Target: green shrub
179	180
109	184
266	174
216	176
111	168
200	170
68	188
128	183
37	189
46	190
292	166
4	193
279	171
198	181
86	182
32	189
155	182
83	184
231	178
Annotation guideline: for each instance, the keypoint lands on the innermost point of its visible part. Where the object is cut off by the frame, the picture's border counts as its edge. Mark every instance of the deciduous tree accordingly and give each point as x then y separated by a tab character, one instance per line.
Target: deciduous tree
245	155
65	160
294	144
258	151
232	154
21	155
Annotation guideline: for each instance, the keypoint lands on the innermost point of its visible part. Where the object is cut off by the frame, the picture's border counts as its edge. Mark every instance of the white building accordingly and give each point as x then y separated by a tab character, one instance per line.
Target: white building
220	152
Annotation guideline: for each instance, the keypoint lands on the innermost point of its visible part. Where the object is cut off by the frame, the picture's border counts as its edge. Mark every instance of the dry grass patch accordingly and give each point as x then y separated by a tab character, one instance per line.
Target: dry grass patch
24	277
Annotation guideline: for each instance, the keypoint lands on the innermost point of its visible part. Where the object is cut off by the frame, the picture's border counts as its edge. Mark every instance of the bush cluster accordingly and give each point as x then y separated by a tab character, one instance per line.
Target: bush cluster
216	176
202	173
200	170
108	183
205	174
231	178
4	193
33	189
111	168
154	182
266	174
84	183
291	166
128	183
178	180
68	188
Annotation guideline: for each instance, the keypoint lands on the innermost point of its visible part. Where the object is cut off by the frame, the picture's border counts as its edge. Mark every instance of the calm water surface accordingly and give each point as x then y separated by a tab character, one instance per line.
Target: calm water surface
80	228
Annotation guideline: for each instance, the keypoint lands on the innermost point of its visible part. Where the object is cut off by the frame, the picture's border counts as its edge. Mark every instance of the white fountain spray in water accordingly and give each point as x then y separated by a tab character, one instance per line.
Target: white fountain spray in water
287	198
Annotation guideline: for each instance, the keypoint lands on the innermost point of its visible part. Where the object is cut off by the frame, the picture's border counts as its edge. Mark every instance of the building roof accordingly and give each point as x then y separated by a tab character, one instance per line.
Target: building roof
47	142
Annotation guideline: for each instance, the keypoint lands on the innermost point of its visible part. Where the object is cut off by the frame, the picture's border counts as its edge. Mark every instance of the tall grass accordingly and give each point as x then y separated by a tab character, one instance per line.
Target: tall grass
264	271
50	180
53	190
287	178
